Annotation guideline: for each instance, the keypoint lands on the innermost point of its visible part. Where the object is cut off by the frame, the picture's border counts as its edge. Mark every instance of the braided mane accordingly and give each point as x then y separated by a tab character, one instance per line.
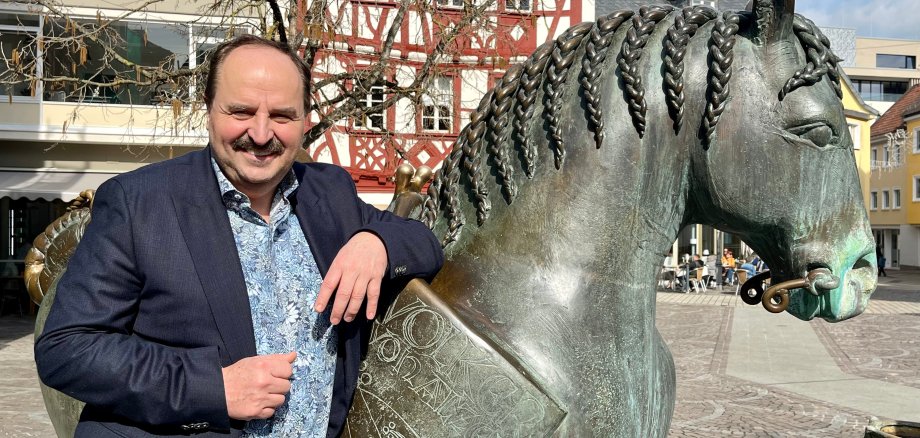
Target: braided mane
504	114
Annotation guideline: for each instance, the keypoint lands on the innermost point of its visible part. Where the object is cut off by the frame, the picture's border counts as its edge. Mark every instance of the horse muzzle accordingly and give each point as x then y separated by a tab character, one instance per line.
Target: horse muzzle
820	293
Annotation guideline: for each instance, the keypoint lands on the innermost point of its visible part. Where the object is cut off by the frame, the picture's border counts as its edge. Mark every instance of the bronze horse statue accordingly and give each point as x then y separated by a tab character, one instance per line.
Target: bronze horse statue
565	190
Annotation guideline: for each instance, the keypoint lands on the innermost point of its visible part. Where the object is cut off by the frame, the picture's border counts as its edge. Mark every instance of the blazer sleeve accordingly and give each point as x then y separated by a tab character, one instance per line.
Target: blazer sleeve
87	349
413	251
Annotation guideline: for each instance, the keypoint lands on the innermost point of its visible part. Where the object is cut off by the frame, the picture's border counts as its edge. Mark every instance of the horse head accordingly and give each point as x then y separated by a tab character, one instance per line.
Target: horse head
785	179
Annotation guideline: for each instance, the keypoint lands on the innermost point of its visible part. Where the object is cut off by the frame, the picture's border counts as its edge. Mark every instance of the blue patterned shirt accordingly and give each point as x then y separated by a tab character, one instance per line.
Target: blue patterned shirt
282	281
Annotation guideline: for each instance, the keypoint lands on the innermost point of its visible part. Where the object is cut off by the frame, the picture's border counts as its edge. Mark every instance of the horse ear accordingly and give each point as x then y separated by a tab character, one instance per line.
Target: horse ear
772	19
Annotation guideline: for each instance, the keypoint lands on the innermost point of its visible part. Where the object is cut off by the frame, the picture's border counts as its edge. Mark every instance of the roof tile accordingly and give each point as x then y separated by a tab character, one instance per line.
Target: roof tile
893	119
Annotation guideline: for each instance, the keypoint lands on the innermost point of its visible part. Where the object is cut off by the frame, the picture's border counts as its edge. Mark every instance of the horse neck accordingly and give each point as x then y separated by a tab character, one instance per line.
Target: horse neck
601	215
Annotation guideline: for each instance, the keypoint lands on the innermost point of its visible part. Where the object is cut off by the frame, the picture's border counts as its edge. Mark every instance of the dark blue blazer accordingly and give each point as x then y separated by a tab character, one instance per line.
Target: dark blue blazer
153	302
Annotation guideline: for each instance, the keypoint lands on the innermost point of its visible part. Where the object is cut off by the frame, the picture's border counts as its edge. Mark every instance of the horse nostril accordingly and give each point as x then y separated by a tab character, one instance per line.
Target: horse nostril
822	280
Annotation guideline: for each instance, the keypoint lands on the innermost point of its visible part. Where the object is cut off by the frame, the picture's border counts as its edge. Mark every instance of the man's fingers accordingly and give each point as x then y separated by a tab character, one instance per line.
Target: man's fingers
342	296
328	287
274	400
265	413
279	365
373	295
354	302
279	387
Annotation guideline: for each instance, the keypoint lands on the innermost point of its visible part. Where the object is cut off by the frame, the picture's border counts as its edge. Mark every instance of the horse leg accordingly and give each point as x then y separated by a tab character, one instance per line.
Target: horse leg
666	383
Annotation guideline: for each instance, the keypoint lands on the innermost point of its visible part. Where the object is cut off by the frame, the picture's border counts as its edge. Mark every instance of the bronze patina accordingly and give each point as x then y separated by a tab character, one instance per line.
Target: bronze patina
45	263
562	196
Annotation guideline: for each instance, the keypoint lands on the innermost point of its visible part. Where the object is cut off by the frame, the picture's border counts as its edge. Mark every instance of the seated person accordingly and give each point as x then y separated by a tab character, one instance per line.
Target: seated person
759	264
711	269
728	266
682	271
750	268
694	265
669	271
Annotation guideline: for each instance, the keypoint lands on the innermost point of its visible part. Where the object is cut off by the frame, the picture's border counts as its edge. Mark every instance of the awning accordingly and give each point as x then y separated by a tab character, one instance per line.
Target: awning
48	185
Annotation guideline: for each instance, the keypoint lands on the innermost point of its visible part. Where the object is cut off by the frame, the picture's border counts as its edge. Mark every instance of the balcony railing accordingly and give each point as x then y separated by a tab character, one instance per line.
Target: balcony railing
880	164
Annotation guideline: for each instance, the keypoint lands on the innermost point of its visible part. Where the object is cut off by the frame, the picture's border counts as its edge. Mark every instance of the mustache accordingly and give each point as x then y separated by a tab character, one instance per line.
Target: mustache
245	143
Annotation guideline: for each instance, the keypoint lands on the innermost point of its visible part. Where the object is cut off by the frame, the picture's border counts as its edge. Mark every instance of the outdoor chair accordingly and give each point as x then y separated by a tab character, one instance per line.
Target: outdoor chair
741	276
696	280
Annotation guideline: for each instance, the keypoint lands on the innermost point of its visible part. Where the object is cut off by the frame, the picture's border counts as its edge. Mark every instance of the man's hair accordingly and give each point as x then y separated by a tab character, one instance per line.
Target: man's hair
223	50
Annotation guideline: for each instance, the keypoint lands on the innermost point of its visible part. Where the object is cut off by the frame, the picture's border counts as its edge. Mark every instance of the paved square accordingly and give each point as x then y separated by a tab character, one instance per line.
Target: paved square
740	371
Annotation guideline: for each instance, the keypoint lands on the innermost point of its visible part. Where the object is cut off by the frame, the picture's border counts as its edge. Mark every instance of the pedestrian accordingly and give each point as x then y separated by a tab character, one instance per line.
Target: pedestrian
881	266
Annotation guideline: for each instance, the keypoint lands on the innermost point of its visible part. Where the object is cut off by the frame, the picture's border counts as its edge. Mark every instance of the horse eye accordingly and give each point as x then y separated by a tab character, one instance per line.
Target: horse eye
821	134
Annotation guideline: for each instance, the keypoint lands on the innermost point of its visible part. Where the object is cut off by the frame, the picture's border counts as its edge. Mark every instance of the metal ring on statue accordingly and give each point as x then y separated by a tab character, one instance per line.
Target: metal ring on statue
776	298
752	290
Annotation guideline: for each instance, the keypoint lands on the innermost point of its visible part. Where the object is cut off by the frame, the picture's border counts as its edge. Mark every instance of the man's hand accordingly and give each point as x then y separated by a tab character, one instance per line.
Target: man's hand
255	386
356	272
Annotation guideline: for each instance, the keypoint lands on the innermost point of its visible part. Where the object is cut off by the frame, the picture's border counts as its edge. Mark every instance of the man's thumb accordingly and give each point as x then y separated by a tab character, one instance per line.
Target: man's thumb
290	357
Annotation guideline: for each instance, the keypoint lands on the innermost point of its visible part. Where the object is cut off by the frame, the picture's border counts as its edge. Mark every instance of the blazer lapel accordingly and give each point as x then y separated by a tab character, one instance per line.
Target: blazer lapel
206	229
316	221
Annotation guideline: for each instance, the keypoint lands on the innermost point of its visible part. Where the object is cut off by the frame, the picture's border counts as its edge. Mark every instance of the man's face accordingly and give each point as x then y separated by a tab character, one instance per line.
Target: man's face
257	118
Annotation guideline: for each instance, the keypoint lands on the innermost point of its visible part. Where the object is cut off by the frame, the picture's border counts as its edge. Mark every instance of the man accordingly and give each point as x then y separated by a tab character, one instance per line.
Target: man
203	295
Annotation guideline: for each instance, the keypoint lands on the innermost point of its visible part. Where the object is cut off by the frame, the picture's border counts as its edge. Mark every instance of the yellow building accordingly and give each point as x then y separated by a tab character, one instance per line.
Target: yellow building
860	117
894	204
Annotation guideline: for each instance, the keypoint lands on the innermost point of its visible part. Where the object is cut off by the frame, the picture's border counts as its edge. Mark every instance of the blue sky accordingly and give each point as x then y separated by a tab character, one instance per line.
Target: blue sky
870	18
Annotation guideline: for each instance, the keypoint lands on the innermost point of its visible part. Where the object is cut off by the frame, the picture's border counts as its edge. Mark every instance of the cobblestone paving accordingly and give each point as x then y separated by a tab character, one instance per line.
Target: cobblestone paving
881	347
696	328
22	412
709	403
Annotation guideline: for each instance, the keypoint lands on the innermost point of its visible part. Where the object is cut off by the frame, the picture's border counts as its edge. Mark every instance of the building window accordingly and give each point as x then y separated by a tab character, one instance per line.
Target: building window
18	33
372	119
895	61
437	105
450	3
896	197
855	135
880	91
916	140
140	42
873	204
886	200
916	188
517	5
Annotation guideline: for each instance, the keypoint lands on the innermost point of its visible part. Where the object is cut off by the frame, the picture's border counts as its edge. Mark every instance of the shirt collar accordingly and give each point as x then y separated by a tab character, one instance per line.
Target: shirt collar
235	199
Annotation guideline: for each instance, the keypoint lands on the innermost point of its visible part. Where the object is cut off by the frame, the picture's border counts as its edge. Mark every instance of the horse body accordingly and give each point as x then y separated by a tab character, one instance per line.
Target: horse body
558	275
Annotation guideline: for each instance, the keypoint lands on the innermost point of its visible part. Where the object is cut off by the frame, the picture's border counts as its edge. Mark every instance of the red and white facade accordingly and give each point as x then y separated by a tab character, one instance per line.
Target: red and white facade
424	133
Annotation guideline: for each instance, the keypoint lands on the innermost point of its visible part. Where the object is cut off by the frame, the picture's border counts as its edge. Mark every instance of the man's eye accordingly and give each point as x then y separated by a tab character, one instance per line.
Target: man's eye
282	119
240	114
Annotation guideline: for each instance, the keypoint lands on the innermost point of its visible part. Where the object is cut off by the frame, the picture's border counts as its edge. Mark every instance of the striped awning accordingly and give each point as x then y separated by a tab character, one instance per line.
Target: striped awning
47	184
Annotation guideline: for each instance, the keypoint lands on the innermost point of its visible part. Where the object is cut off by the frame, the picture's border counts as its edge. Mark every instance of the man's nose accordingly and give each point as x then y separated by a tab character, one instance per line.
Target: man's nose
260	131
